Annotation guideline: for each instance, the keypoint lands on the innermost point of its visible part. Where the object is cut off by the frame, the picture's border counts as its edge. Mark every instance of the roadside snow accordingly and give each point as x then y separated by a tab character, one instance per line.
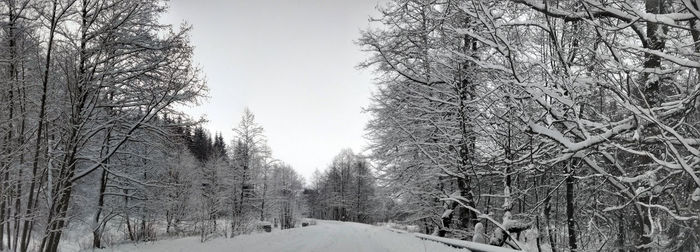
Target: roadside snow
325	236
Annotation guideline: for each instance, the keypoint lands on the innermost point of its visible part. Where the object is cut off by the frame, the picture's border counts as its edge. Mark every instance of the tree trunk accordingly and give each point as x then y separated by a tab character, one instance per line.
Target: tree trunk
57	217
570	219
40	128
264	192
359	195
548	219
128	219
5	176
655	41
467	145
97	229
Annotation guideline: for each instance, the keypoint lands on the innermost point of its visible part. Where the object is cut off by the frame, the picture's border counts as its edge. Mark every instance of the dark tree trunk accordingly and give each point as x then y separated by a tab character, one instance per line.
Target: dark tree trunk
570	219
262	205
655	41
97	231
547	218
126	213
5	187
40	128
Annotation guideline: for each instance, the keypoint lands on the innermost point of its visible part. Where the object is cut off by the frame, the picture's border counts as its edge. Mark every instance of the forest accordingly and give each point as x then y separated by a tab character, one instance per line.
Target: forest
537	125
94	140
574	119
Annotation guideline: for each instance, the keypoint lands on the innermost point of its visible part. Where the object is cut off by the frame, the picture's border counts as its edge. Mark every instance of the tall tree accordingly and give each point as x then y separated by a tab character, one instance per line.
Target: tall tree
249	149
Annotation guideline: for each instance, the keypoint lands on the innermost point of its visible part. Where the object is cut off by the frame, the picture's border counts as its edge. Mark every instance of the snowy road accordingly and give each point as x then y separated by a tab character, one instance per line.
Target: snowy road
325	236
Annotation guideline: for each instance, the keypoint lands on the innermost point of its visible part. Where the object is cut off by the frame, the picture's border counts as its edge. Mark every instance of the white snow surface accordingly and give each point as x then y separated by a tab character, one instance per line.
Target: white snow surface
325	236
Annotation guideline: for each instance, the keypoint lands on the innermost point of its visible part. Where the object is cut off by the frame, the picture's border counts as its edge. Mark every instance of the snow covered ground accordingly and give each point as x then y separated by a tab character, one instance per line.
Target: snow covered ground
325	236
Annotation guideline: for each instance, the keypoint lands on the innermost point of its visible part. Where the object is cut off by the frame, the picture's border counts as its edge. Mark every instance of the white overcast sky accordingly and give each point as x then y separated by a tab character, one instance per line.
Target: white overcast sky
292	62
